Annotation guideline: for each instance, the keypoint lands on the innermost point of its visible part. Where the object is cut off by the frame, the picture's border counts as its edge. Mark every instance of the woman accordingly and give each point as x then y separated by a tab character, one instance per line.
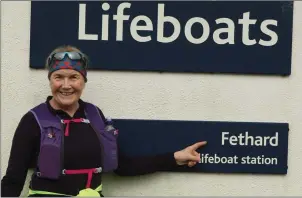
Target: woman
68	161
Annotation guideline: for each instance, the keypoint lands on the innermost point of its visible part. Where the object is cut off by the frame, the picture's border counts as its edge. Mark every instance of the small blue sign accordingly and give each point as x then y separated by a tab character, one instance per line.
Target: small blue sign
233	147
183	36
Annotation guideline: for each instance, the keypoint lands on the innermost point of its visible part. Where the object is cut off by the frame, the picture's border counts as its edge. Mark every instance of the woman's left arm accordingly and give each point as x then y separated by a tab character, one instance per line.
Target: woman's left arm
131	166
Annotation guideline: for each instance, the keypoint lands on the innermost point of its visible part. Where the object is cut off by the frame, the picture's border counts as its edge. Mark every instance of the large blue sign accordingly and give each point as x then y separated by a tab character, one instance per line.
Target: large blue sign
233	147
197	36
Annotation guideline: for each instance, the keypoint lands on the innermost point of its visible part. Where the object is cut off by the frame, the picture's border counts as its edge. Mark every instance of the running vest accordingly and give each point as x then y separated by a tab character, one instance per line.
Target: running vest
51	159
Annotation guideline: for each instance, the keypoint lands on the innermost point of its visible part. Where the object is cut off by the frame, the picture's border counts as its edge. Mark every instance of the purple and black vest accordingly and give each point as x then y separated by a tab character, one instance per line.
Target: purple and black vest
51	157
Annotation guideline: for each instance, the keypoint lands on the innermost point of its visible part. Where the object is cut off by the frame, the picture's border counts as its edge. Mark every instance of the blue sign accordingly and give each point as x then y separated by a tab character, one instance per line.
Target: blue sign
182	36
233	147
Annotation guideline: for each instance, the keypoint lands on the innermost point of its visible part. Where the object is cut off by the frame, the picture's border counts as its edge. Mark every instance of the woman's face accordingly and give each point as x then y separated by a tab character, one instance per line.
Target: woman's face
66	86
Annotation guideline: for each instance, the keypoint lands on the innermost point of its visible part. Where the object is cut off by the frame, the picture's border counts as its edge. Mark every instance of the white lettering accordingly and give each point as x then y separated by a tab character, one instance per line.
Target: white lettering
120	17
233	140
258	141
274	140
259	160
82	25
216	159
248	140
241	137
223	137
141	28
161	20
246	22
134	28
205	26
272	34
230	30
105	22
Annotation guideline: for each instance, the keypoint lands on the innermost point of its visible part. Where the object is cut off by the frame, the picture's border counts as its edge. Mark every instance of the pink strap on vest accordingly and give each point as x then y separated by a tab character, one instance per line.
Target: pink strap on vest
83	171
67	122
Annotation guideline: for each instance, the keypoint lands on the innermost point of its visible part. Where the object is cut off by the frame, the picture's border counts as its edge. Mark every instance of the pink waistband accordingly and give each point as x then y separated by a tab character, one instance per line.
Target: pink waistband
83	171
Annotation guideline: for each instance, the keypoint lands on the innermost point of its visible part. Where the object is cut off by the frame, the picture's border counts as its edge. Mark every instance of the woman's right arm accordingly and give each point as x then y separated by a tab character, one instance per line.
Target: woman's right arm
24	149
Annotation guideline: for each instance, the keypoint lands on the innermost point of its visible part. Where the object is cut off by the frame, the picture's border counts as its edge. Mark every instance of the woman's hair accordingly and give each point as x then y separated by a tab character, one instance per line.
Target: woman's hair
65	48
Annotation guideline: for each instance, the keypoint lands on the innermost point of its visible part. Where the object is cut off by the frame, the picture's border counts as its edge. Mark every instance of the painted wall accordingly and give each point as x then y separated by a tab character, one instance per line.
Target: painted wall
163	96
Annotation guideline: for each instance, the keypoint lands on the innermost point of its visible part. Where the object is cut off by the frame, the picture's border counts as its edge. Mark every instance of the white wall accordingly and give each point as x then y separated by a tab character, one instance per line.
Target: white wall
163	96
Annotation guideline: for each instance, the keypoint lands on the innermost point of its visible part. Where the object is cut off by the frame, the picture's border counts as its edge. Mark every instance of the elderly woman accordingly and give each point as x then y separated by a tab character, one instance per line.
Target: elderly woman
68	143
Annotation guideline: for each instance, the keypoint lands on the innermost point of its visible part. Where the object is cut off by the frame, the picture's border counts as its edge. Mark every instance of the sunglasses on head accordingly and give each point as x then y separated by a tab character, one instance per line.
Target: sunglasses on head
70	55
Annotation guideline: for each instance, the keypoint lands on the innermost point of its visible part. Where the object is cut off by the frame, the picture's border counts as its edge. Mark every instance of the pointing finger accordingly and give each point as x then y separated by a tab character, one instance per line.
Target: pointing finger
195	153
197	145
191	163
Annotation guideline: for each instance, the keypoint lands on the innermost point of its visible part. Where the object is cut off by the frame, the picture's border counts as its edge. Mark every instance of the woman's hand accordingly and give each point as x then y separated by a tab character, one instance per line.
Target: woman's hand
189	156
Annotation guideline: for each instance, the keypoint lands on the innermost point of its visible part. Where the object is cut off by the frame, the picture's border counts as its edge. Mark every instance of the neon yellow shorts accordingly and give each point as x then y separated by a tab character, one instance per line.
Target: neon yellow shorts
88	192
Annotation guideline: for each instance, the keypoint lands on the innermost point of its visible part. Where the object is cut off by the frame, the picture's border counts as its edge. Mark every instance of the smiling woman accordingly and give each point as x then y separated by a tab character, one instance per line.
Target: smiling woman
69	143
67	76
66	87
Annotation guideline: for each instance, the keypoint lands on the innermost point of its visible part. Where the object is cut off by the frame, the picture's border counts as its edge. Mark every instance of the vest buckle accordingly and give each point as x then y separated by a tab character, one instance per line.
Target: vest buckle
85	121
98	170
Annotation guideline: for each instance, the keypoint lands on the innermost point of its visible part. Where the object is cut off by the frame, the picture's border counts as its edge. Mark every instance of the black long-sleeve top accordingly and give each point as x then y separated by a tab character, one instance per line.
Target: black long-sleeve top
81	151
